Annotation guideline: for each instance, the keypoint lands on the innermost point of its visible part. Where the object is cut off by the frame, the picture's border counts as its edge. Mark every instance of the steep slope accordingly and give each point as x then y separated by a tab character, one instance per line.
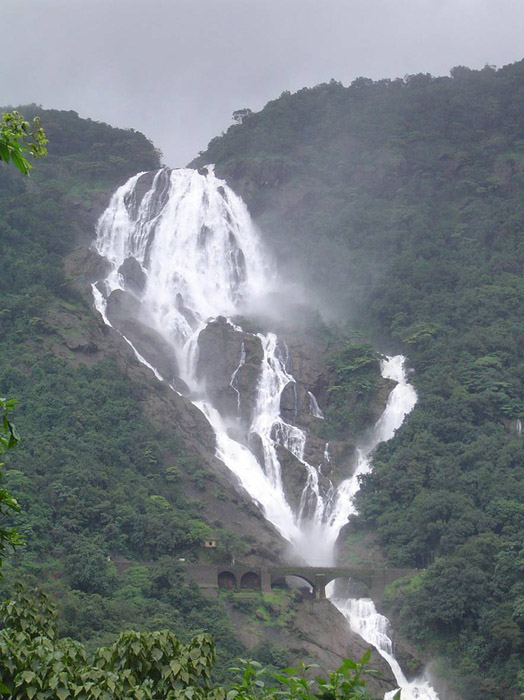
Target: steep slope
115	465
109	464
402	203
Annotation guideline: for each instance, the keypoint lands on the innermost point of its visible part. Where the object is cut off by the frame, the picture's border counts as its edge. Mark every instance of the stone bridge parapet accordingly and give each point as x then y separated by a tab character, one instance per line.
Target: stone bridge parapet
246	577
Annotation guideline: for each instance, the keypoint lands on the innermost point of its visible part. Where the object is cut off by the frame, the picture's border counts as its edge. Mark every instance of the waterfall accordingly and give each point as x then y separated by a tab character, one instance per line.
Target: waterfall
362	614
186	260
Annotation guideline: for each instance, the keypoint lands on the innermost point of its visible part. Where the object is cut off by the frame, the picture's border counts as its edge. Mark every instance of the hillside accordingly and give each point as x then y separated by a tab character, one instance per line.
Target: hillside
115	466
401	203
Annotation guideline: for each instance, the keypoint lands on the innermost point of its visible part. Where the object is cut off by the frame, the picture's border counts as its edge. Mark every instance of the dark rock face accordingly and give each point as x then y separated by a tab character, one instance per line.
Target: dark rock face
85	266
143	185
123	306
150	344
134	199
185	311
134	276
125	313
289	402
294	477
255	445
246	379
219	354
229	363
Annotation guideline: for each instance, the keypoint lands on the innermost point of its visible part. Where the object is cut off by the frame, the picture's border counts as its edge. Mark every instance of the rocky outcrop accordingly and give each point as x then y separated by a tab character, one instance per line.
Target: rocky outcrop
229	362
123	306
219	355
133	275
125	312
85	266
294	477
135	198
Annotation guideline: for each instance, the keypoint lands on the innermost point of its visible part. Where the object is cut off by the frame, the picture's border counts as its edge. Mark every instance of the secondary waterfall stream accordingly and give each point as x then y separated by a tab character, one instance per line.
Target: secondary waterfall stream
183	255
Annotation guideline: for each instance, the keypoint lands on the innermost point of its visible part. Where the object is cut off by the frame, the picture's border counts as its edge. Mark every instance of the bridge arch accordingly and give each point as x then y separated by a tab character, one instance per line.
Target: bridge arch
250	580
293	580
346	586
227	580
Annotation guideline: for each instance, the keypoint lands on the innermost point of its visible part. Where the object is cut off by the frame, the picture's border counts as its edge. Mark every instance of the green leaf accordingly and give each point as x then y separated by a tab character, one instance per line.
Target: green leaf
5	153
20	162
366	657
157	654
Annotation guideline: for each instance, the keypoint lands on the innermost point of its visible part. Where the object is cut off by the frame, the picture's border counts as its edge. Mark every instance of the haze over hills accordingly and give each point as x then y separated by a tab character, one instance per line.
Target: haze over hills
398	204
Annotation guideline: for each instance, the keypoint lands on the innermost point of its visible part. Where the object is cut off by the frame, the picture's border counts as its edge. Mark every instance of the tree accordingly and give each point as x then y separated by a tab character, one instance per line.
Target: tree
240	114
9	438
19	138
35	664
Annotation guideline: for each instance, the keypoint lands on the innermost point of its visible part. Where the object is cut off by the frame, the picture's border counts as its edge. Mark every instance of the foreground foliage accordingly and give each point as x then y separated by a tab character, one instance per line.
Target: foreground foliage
19	139
36	663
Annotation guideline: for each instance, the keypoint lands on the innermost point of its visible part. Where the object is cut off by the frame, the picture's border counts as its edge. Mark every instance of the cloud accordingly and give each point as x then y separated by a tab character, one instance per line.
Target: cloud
177	69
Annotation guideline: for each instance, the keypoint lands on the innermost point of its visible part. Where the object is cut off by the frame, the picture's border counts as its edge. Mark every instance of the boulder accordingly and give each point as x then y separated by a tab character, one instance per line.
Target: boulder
219	354
294	476
229	363
123	306
125	313
134	276
248	375
155	350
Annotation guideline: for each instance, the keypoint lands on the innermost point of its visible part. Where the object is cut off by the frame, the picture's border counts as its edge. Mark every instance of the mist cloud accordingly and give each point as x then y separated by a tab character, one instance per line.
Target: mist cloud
177	69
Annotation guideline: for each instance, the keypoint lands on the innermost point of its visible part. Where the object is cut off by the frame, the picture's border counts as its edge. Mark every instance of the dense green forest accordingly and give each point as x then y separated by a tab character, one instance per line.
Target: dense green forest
94	474
115	474
402	204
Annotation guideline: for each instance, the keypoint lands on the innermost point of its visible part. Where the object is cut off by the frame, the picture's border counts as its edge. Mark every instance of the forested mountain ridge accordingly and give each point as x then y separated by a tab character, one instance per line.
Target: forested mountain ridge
106	465
403	203
113	463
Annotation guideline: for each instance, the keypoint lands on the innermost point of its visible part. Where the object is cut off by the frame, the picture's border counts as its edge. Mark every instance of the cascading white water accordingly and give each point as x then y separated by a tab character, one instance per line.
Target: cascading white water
200	257
376	630
362	614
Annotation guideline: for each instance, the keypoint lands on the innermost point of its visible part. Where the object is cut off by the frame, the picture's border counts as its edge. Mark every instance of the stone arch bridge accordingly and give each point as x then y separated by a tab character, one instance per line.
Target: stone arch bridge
244	577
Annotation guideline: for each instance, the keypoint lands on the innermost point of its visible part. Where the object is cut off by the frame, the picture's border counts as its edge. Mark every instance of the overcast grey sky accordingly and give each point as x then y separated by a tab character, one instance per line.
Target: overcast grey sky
177	69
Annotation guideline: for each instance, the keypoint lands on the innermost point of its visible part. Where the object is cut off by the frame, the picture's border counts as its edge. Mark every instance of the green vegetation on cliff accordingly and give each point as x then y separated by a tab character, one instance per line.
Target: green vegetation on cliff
404	202
94	476
115	475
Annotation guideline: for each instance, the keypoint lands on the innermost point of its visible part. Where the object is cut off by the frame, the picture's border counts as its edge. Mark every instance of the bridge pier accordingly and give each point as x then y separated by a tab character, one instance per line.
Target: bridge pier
265	580
319	589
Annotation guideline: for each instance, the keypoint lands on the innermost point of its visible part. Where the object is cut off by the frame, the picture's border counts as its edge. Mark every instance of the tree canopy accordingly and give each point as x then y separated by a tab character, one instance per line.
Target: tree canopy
19	139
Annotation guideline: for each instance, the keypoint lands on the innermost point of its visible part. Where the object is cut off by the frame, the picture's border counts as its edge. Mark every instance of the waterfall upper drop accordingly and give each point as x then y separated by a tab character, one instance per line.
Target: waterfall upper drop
185	263
187	245
186	260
